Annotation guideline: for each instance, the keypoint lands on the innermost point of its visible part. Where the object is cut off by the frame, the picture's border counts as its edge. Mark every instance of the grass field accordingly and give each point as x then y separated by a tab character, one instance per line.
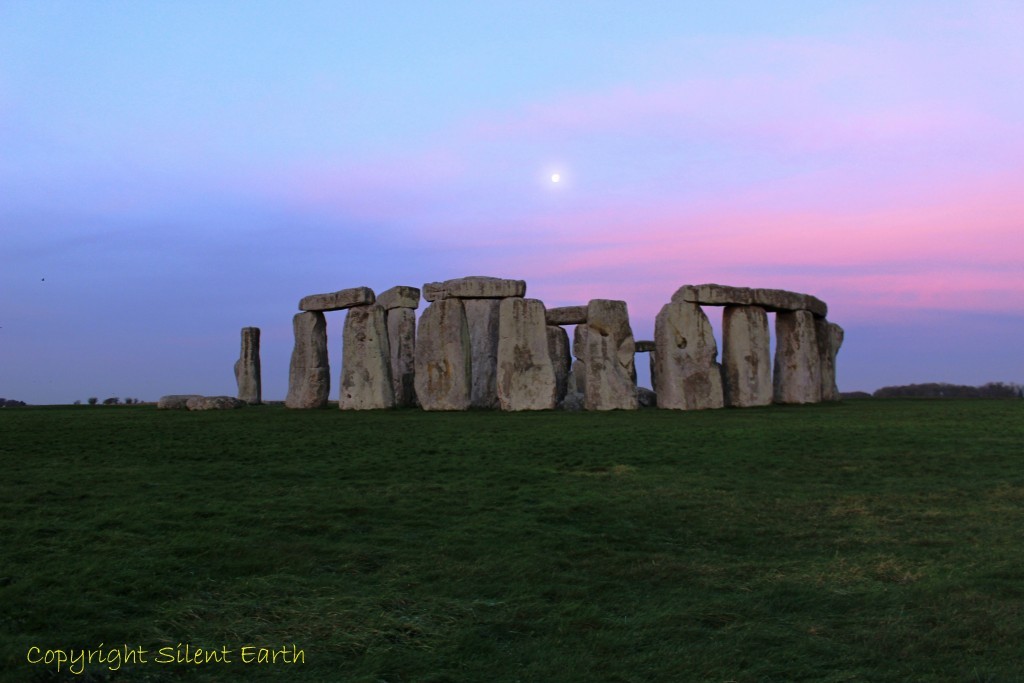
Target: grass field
863	541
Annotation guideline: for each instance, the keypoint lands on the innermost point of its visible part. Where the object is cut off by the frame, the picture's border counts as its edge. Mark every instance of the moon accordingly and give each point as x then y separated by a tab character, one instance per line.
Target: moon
556	177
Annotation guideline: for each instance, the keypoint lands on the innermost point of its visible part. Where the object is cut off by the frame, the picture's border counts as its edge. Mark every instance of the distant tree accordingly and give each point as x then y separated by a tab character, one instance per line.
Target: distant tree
93	400
78	402
112	401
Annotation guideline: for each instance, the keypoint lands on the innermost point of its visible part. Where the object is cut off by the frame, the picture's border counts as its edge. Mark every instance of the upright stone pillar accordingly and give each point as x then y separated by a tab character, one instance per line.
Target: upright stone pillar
400	304
830	338
443	357
746	356
482	317
309	375
610	369
561	359
247	367
526	375
687	373
366	361
797	377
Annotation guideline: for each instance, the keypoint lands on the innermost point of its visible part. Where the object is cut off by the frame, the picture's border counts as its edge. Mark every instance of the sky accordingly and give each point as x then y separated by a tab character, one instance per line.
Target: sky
173	172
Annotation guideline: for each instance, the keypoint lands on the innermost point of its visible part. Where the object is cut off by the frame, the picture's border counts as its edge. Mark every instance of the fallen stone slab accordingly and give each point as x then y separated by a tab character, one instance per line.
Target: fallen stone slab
214	403
175	401
401	296
474	287
337	301
772	300
567	315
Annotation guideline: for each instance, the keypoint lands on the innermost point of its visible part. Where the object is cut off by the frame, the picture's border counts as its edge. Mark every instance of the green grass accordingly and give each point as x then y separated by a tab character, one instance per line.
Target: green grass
863	541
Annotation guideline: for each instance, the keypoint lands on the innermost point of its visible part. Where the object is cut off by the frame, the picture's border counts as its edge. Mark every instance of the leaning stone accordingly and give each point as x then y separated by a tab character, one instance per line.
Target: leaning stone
214	403
773	300
526	375
175	401
797	376
561	359
483	316
336	301
746	356
399	297
309	375
443	357
830	338
366	361
567	315
247	367
645	346
610	371
474	287
688	374
402	343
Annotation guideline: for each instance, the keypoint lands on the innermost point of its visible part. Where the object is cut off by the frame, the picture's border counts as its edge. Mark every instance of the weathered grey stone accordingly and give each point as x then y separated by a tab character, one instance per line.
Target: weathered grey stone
561	359
474	287
797	376
175	401
577	383
247	367
214	403
443	357
309	375
774	300
746	356
610	371
483	317
399	297
402	343
688	375
830	338
646	397
526	374
645	346
567	315
366	361
336	301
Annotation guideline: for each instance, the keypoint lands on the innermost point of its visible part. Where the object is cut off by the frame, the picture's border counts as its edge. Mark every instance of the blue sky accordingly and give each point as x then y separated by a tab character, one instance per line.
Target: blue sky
172	172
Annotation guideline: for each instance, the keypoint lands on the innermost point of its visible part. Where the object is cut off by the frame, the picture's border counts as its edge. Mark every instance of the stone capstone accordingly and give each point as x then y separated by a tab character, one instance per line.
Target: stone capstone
797	376
773	300
402	344
366	361
645	346
830	338
175	401
443	370
561	360
746	356
687	372
399	297
309	375
214	403
567	315
474	287
247	367
337	301
483	318
526	374
610	372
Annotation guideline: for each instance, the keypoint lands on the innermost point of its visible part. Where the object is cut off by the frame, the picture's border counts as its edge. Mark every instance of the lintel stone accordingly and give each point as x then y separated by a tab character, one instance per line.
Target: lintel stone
337	301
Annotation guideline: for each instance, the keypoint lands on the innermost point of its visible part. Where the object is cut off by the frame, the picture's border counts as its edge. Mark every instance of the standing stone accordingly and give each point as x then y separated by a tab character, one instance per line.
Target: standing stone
746	356
797	377
688	374
610	369
366	361
561	359
443	357
482	317
402	343
830	338
309	376
578	371
526	375
247	367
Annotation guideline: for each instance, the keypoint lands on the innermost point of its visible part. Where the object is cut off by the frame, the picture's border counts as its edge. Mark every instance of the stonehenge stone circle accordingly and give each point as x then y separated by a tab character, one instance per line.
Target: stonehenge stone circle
247	367
309	375
443	370
366	361
526	373
689	376
746	357
481	344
